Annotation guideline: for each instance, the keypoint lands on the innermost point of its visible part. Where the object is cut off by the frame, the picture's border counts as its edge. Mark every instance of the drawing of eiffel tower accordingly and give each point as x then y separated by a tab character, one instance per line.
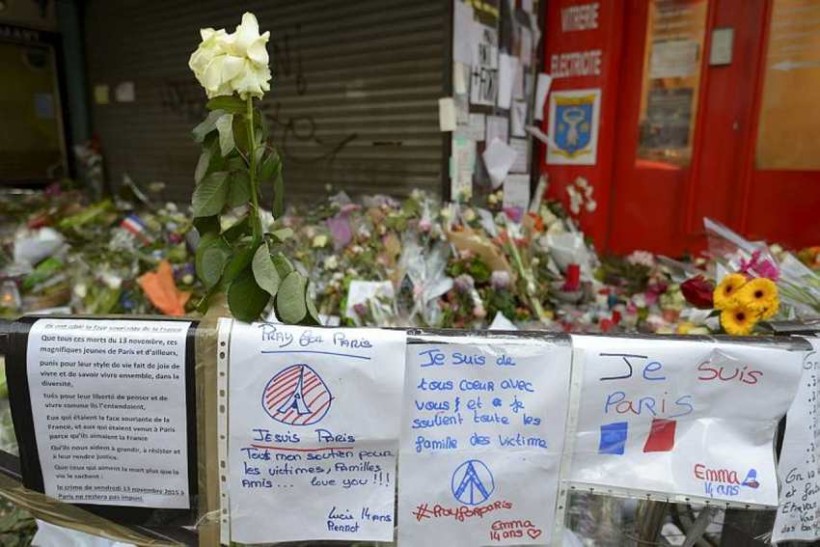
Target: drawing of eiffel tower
296	399
470	485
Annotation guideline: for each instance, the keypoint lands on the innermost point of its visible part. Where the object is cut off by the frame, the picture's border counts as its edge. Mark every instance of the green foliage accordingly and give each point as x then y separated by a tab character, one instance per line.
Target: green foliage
264	271
251	267
290	299
212	255
228	103
210	195
246	299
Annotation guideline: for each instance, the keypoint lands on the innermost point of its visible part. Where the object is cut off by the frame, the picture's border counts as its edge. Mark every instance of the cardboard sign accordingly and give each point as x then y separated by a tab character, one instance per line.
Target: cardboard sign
483	422
694	419
312	432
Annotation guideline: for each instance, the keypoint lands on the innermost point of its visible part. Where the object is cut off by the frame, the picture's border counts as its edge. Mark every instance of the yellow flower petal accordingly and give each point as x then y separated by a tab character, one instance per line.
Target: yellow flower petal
738	320
725	292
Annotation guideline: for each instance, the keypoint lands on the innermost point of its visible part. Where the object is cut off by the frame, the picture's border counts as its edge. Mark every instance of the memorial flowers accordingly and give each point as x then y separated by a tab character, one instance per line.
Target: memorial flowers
743	302
244	259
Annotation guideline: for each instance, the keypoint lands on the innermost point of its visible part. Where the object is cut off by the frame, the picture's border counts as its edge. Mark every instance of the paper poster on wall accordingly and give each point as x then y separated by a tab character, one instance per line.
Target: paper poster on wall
516	195
463	45
108	405
694	419
522	155
484	77
462	167
542	89
573	124
518	118
313	422
673	59
498	127
446	114
477	126
507	75
798	513
484	421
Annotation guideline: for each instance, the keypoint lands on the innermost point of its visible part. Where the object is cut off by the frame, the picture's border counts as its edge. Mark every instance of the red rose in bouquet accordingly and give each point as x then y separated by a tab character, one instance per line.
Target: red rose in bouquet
698	291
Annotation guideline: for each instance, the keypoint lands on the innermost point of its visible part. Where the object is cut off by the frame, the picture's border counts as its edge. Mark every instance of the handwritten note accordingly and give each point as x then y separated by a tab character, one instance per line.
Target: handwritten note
689	418
313	432
108	402
798	514
484	421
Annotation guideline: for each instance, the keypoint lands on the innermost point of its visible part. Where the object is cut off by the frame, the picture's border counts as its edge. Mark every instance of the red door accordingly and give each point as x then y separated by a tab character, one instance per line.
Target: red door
712	121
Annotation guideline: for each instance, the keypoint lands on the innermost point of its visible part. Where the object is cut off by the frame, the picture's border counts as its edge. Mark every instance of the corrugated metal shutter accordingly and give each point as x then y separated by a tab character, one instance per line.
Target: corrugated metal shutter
354	100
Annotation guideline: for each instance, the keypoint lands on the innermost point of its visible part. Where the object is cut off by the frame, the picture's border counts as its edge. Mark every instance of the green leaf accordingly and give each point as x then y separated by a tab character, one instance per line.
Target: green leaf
239	262
269	166
239	189
202	165
207	225
264	271
290	299
211	256
228	103
246	299
283	265
282	234
312	317
278	195
240	133
209	197
225	127
236	231
208	125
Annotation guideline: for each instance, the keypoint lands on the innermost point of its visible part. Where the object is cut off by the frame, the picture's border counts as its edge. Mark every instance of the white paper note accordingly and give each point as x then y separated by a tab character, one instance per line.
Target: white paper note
518	118
522	159
542	89
673	59
507	74
498	158
313	432
498	127
540	136
477	127
108	401
446	114
687	418
798	513
462	167
484	421
461	73
463	45
484	76
517	195
124	92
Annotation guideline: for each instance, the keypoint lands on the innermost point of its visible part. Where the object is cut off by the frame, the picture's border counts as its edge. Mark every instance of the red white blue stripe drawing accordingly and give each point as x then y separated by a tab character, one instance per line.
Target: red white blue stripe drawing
297	395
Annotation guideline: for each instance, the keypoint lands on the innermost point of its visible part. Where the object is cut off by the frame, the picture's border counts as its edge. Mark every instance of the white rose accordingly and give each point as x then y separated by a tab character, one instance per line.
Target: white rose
233	63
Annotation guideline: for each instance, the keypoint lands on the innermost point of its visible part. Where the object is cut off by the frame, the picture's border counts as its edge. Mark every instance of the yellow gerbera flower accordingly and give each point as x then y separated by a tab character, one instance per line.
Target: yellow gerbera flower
725	292
738	319
759	295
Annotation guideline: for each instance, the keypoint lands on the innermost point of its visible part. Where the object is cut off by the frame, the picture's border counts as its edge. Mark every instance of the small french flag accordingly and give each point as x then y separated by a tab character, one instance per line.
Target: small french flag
134	224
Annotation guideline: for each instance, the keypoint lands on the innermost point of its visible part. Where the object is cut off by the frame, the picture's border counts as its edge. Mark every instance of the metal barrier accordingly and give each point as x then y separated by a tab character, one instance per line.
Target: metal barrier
651	514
